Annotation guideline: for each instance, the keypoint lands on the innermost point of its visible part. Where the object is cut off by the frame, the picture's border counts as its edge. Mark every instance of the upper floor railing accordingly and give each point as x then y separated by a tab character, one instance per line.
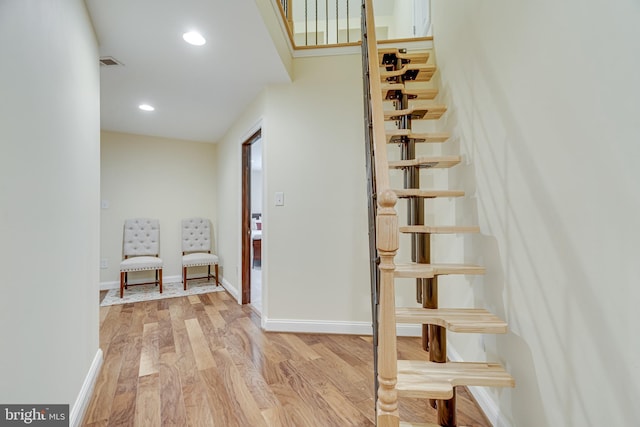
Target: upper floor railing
323	23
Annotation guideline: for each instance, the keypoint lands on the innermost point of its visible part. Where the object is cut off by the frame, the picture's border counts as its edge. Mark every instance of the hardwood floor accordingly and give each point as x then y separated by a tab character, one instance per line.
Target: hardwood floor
204	361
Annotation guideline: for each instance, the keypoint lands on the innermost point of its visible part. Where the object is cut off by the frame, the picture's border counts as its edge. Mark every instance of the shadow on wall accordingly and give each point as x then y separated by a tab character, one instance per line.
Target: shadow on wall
517	286
488	290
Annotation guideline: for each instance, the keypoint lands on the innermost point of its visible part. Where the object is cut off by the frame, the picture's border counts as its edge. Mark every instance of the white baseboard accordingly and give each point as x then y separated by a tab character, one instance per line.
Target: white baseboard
86	391
317	326
332	327
105	286
231	289
409	330
486	403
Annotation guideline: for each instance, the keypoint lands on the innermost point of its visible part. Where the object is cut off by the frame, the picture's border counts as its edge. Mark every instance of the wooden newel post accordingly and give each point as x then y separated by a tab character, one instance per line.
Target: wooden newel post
387	241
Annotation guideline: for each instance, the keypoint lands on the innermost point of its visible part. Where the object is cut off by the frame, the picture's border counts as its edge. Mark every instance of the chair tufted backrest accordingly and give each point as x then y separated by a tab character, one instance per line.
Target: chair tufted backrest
196	235
141	237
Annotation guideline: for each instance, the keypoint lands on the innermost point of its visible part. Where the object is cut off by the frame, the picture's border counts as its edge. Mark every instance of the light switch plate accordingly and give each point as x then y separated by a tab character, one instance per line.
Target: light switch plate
279	198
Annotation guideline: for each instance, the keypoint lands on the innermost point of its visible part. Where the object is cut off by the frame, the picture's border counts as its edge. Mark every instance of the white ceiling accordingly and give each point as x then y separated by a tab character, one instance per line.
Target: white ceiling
197	92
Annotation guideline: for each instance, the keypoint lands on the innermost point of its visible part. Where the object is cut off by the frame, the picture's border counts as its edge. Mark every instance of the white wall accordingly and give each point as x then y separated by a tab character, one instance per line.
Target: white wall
315	247
543	99
49	200
315	269
402	20
167	179
273	21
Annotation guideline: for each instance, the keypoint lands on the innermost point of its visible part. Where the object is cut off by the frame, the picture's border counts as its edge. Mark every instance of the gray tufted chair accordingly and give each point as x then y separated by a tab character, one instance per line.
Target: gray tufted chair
196	248
140	247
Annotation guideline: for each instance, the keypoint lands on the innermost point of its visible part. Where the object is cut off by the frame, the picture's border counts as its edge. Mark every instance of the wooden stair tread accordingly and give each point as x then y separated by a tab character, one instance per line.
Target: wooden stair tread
413	57
439	229
417	90
427	162
395	135
462	320
415	72
416	192
432	380
426	271
413	271
390	87
449	268
427	112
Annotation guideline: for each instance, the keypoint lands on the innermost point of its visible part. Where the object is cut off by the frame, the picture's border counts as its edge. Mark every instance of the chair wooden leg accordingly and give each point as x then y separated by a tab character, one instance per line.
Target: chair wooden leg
217	277
184	277
160	276
122	273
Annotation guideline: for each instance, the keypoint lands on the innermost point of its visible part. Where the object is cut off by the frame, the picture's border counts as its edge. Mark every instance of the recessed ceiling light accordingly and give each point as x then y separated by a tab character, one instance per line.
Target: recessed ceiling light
146	107
194	38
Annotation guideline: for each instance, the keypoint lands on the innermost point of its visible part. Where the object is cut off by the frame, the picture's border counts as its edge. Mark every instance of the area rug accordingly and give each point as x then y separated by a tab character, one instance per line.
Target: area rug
150	292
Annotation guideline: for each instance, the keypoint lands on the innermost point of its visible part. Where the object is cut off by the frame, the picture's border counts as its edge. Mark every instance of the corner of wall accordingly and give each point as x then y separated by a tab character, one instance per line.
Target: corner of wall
277	30
81	404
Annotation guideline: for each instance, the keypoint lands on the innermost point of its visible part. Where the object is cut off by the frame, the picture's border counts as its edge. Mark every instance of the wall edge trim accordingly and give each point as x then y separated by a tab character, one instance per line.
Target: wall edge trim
81	404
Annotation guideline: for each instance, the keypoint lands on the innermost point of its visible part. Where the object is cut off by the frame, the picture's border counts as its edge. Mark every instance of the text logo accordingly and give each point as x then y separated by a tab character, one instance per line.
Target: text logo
34	415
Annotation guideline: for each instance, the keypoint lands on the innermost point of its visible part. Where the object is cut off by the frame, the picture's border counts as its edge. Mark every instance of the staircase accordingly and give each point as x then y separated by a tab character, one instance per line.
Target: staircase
400	80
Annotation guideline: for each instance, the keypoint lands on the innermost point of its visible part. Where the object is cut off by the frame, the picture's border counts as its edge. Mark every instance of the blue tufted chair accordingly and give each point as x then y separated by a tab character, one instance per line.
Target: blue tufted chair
196	248
140	247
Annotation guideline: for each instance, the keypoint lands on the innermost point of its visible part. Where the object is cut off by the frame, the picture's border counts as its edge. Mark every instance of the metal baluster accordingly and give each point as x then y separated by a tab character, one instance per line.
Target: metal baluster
326	21
347	21
306	29
316	22
337	29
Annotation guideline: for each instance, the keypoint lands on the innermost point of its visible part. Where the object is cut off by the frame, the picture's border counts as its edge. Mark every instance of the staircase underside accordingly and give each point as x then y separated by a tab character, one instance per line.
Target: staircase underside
420	112
390	54
415	90
410	71
395	136
426	162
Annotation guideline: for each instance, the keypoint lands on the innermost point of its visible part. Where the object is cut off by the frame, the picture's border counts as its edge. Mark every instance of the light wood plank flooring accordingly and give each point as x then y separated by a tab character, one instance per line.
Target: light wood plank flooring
204	361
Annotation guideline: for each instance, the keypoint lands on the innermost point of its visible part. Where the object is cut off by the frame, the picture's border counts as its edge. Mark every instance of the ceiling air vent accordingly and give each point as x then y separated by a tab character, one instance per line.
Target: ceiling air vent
109	61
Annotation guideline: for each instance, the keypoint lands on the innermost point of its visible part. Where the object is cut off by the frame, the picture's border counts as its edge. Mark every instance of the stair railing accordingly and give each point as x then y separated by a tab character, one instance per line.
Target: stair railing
320	23
382	207
315	24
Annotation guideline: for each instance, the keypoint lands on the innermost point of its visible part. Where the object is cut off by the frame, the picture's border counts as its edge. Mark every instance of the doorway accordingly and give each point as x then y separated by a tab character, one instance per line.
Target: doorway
252	221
